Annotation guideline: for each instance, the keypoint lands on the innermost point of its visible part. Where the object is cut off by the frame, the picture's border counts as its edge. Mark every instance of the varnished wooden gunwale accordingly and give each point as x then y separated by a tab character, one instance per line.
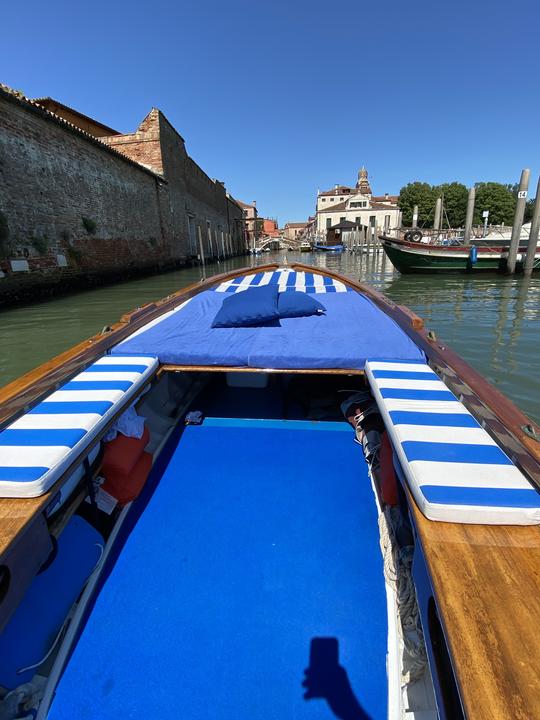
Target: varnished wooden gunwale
271	371
486	579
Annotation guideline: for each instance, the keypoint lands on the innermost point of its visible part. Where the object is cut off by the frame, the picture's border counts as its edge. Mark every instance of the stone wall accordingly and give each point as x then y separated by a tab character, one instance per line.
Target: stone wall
75	208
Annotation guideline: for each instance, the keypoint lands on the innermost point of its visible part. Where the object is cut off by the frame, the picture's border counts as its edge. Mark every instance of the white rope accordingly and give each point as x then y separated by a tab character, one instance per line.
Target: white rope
397	572
57	638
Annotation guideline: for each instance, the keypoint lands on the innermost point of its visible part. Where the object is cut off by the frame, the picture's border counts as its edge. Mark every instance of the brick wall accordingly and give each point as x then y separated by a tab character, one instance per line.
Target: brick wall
113	209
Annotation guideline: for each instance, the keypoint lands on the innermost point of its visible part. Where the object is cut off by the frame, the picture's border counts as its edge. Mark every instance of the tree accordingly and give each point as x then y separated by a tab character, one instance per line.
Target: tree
498	199
455	203
421	194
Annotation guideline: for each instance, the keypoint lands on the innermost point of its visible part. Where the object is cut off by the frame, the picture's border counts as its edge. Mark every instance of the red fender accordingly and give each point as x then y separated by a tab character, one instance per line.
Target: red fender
388	479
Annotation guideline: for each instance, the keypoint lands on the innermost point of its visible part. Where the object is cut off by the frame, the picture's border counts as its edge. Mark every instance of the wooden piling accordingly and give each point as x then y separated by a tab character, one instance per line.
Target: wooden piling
415	216
469	217
533	236
518	220
437	217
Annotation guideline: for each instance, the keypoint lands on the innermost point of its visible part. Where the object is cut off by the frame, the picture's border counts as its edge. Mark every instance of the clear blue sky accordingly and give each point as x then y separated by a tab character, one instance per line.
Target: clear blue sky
281	98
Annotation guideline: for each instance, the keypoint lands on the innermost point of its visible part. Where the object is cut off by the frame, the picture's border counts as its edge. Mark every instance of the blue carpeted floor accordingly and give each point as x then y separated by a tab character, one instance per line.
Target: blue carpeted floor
260	536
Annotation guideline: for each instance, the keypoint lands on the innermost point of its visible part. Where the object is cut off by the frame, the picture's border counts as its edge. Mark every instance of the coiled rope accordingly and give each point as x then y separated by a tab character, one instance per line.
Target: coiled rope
397	572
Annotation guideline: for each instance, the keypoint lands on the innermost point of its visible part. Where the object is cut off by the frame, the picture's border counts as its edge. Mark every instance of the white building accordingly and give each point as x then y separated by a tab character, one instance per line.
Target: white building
358	205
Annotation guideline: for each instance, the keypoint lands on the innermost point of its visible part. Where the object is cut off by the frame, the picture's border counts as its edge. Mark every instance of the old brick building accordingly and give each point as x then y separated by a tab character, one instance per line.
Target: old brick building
79	200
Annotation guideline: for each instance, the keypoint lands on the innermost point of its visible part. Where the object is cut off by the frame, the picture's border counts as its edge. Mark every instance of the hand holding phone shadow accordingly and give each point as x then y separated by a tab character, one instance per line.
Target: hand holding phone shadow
325	678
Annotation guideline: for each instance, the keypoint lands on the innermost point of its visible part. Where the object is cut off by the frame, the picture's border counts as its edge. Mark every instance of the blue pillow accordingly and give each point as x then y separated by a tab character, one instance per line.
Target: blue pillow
249	308
292	303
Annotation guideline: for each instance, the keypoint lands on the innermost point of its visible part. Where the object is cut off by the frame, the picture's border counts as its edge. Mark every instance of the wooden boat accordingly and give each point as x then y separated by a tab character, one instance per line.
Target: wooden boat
305	246
204	586
418	257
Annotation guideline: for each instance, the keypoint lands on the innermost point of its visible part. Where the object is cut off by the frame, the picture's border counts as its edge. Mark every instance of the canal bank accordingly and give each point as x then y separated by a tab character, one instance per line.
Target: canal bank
492	322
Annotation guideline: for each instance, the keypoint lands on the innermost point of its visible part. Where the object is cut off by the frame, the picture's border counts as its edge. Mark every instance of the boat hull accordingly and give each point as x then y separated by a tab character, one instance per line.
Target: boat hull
410	257
328	248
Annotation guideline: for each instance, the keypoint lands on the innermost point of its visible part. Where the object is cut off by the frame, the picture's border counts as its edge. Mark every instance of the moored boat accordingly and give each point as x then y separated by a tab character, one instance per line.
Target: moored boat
319	247
419	257
187	522
305	246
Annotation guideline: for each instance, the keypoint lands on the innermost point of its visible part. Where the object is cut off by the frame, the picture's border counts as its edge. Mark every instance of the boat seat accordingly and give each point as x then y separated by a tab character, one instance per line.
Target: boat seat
287	280
30	634
39	447
453	467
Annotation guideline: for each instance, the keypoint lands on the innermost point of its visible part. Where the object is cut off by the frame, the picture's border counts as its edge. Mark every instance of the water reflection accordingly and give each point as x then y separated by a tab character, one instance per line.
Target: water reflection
492	321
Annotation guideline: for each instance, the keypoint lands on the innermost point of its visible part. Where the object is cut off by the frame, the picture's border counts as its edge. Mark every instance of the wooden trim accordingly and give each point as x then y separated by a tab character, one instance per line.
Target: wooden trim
228	368
485	583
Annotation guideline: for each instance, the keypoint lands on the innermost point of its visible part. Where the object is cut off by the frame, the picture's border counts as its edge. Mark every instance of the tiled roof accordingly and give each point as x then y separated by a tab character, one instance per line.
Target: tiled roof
340	190
246	205
46	102
293	225
32	105
385	198
343	206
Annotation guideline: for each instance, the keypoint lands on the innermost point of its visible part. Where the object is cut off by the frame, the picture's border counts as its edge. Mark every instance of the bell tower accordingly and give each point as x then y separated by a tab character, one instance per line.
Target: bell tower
362	184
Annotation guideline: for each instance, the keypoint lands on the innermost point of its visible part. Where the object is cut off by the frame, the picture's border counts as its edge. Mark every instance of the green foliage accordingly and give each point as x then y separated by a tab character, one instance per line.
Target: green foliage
40	245
498	199
529	209
74	254
89	225
455	203
421	194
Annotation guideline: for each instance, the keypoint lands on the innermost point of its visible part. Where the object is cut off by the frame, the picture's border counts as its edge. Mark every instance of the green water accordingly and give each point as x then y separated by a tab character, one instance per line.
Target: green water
491	321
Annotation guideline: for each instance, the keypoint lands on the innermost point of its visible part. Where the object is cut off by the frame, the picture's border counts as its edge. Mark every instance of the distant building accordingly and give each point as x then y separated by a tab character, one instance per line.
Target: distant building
294	231
250	221
356	205
270	227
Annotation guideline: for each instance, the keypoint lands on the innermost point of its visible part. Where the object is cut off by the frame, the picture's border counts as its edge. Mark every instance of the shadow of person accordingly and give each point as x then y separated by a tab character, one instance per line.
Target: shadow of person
326	679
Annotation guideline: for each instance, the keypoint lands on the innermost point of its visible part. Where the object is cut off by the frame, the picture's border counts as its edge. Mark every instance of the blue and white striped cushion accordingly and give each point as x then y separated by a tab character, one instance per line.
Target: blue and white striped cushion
38	447
286	279
454	469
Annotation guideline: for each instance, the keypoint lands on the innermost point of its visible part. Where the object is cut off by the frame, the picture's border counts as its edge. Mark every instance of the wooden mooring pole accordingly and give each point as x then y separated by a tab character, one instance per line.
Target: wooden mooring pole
533	236
437	218
415	216
518	220
469	217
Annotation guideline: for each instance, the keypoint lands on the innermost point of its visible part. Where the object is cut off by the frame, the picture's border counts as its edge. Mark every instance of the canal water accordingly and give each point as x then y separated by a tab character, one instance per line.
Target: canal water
491	321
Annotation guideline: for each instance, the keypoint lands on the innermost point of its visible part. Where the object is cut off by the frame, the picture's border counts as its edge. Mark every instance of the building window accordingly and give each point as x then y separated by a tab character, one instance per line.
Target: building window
328	223
342	219
341	199
372	219
332	199
358	220
323	199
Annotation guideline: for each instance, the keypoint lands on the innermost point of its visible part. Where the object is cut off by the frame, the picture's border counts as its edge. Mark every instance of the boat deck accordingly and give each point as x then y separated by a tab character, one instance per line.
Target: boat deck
260	536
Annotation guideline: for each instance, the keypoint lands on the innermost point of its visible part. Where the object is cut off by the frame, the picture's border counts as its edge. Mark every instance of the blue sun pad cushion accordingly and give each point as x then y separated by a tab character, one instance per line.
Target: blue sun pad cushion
298	304
249	308
37	448
453	467
31	631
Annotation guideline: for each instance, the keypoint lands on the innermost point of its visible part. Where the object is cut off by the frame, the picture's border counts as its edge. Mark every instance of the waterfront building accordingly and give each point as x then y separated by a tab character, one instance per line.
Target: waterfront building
356	205
270	227
251	224
294	230
81	201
